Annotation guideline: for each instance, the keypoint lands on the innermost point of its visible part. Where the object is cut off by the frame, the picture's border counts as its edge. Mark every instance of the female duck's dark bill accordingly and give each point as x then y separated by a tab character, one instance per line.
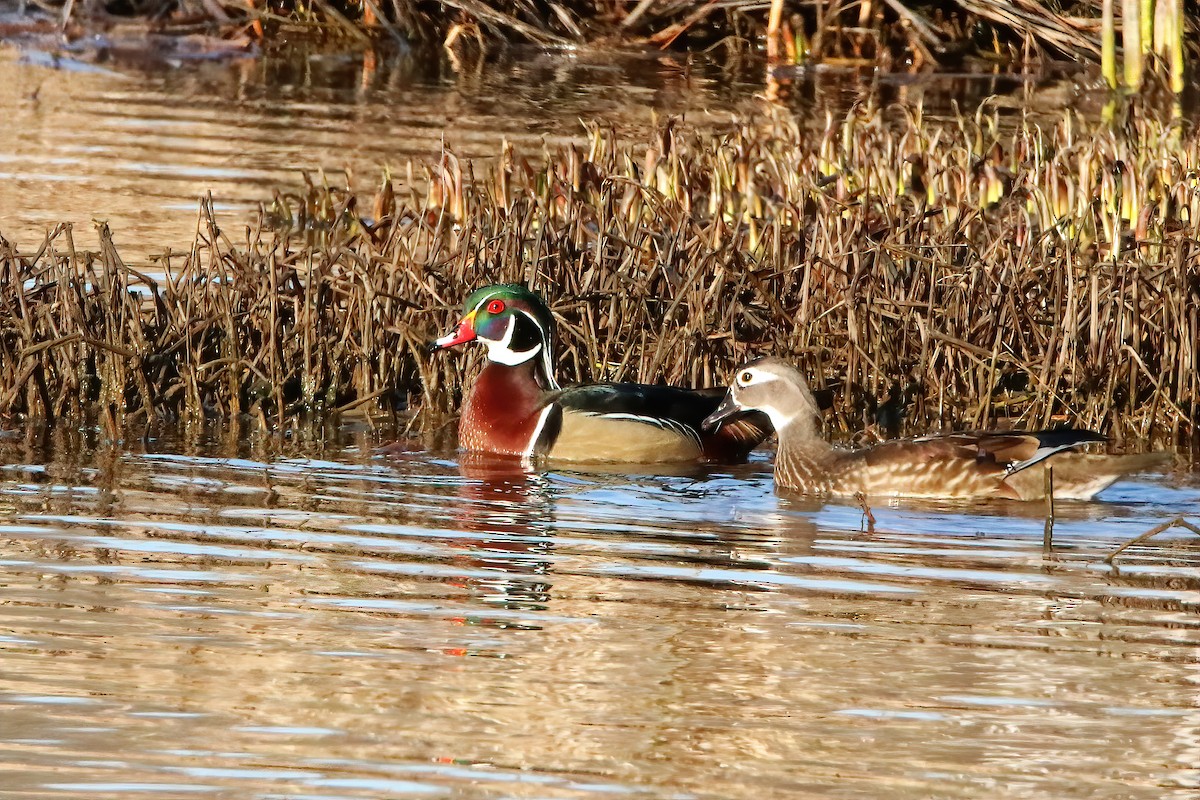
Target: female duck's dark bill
727	409
463	332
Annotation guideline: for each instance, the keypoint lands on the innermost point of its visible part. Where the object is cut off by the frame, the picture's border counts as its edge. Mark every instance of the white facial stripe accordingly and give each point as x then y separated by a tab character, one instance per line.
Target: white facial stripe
760	378
529	317
779	420
508	332
757	378
483	301
502	352
537	433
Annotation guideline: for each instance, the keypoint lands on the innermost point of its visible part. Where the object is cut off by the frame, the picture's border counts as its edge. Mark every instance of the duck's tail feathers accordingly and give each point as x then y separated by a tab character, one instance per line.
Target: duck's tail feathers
1081	476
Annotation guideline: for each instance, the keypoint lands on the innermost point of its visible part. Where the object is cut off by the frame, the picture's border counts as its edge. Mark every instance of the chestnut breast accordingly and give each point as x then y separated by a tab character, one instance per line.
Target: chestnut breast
503	410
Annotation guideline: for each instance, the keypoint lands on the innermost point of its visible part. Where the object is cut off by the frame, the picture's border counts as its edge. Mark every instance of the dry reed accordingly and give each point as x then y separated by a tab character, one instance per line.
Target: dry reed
972	271
887	33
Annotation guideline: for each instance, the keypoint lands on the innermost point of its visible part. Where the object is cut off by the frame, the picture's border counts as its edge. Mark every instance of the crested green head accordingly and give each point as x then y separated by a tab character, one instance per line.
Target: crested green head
504	307
514	323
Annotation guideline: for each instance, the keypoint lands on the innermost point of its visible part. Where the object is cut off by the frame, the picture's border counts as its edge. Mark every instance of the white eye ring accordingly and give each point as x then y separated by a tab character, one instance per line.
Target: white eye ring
745	377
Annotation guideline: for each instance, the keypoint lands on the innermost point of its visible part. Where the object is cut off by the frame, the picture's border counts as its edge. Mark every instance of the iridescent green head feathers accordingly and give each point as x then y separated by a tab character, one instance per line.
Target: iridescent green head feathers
514	323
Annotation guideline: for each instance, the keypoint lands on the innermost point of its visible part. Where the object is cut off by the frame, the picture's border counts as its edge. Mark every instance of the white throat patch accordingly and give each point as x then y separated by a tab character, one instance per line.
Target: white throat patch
758	382
501	351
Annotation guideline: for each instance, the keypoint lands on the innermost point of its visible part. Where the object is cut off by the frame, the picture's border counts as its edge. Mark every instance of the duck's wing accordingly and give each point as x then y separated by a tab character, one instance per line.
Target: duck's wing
1011	451
925	466
669	408
687	406
977	463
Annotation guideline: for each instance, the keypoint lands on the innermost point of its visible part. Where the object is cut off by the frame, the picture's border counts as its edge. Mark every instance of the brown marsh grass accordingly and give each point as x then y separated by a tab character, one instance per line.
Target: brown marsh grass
879	33
973	270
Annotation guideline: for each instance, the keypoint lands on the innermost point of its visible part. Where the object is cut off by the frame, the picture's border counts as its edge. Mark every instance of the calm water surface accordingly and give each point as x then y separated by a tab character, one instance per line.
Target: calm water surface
318	621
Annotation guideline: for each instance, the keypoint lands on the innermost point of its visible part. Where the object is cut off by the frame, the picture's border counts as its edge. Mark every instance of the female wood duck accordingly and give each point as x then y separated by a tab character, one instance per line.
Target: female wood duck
957	465
517	408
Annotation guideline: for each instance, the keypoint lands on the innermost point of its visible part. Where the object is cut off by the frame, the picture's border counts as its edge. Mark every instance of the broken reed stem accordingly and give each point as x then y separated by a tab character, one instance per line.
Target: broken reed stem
954	272
1048	529
867	33
868	517
1177	522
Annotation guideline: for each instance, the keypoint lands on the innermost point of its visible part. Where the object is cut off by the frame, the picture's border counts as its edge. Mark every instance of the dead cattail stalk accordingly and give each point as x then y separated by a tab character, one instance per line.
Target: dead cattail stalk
1177	522
672	267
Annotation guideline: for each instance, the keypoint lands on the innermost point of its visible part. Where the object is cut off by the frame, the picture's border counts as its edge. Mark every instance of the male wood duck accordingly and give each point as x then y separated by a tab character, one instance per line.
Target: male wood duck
980	464
515	406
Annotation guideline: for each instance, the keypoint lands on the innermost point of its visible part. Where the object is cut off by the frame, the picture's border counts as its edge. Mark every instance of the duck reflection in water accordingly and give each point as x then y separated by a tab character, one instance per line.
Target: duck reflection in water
511	509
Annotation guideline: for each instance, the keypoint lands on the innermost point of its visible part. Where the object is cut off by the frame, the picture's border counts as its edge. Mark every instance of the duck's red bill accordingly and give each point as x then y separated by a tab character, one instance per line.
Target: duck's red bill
463	332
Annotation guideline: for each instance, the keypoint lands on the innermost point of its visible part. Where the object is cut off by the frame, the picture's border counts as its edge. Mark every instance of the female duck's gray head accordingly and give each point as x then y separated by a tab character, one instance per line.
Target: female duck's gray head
774	387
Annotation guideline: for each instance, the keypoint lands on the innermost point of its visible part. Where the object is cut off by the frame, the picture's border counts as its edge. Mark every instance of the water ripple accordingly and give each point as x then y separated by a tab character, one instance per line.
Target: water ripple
329	623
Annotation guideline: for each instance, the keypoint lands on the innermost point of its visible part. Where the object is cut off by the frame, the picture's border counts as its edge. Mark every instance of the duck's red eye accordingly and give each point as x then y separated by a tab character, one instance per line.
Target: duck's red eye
495	307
